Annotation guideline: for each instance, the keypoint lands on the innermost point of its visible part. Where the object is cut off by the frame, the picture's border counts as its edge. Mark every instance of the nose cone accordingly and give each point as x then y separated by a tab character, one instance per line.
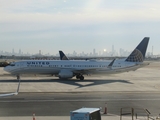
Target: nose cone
6	69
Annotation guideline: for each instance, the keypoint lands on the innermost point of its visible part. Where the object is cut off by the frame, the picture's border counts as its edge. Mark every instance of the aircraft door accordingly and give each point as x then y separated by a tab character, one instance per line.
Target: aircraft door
21	65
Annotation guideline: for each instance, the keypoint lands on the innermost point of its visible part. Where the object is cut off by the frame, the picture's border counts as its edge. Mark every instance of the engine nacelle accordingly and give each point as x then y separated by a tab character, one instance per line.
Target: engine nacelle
65	74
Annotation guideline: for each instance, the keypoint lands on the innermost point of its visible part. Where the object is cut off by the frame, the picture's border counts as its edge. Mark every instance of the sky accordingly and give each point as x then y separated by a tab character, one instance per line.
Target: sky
78	25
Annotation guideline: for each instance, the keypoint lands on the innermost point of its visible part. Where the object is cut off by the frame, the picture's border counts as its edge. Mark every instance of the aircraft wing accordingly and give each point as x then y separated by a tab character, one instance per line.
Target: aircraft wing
86	71
11	94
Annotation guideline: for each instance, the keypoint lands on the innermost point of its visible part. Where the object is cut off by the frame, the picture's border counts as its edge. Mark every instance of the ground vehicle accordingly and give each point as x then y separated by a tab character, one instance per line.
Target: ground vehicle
86	114
4	63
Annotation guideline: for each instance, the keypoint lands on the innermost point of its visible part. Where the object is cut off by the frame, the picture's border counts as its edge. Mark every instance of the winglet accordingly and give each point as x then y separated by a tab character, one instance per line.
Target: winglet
139	52
63	56
111	64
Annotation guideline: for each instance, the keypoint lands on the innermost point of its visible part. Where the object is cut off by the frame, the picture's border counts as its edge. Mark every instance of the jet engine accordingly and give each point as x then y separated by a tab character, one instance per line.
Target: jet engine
65	74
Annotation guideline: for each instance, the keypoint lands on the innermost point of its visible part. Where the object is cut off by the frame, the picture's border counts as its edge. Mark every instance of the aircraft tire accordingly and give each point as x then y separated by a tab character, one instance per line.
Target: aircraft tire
81	77
77	76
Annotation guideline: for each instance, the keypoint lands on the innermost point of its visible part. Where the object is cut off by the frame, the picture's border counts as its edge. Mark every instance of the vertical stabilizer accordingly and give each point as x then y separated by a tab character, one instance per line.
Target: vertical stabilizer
139	52
63	56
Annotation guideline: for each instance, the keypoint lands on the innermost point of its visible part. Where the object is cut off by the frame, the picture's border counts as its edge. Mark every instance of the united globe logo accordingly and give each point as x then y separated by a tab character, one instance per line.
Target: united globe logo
136	56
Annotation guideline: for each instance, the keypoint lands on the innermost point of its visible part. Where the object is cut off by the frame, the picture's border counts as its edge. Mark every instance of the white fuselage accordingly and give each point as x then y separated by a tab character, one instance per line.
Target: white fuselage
54	67
69	68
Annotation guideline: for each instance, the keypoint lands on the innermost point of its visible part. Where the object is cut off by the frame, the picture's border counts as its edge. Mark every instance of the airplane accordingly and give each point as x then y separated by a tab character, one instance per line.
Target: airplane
65	69
11	94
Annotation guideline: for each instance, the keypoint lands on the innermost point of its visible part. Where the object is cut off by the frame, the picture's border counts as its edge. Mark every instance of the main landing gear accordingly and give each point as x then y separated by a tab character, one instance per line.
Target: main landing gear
81	77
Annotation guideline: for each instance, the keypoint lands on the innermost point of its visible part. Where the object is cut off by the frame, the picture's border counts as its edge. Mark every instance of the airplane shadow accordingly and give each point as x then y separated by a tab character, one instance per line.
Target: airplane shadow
74	82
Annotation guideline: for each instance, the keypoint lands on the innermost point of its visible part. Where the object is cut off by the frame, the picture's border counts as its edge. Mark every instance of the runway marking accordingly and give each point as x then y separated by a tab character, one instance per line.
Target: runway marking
81	100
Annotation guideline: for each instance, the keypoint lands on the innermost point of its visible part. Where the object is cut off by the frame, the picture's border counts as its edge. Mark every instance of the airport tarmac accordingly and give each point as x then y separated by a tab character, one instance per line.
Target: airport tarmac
145	79
49	96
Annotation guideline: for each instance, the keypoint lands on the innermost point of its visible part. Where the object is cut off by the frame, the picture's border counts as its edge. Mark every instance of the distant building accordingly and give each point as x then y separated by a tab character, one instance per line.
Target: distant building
13	51
94	52
40	53
20	53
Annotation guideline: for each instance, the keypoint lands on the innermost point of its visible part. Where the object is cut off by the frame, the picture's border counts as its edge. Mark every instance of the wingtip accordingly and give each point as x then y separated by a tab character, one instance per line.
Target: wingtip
111	64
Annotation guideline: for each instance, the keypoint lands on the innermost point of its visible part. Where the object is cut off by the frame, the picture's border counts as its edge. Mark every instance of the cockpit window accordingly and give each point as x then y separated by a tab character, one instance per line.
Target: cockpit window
12	64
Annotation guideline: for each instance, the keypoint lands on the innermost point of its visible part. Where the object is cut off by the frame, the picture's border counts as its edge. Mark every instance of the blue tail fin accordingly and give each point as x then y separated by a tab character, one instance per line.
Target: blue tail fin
139	52
63	56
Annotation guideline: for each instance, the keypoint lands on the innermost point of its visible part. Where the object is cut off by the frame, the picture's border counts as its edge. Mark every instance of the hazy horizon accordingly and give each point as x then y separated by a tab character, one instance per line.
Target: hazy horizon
69	25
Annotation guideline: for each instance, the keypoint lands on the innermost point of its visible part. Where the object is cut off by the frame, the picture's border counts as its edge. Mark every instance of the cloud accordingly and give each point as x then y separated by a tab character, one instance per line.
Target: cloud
90	12
102	15
84	21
